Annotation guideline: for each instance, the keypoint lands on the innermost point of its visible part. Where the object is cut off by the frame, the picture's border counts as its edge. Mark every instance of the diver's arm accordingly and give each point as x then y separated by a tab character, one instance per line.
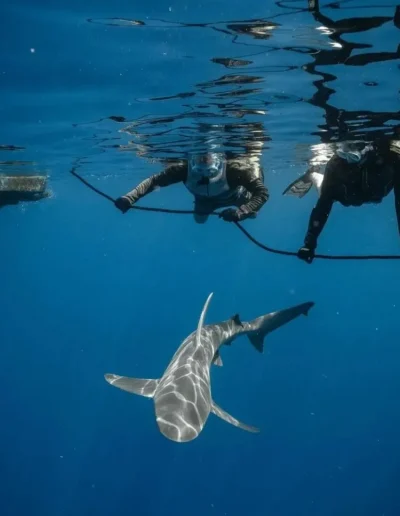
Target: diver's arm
318	219
171	175
396	189
259	197
322	209
393	161
254	185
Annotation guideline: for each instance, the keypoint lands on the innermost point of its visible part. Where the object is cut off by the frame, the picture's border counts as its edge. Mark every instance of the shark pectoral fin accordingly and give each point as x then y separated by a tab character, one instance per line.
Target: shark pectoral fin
217	359
215	409
142	387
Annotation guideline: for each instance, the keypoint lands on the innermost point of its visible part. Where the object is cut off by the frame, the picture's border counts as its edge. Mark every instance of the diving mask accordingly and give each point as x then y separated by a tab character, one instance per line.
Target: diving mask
353	155
207	167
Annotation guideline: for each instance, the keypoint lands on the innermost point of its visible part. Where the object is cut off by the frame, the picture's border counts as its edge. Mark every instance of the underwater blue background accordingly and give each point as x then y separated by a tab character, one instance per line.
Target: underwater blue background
86	290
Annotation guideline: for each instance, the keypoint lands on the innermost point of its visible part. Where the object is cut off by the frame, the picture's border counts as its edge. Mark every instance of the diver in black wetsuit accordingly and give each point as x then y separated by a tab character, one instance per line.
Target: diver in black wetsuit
353	177
214	181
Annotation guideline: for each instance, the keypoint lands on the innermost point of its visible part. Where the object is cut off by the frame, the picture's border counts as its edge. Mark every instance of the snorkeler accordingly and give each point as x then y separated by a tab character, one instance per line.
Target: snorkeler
214	181
357	174
18	188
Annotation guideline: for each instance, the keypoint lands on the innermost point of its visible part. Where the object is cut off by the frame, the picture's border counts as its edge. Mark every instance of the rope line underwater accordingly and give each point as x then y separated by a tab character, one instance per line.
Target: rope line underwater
241	228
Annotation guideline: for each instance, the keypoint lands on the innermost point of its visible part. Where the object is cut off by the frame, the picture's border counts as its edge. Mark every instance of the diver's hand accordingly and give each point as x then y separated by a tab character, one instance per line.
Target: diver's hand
231	215
123	204
306	253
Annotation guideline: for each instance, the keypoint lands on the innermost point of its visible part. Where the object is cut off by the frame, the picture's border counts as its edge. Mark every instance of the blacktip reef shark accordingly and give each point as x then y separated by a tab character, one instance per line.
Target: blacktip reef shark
182	396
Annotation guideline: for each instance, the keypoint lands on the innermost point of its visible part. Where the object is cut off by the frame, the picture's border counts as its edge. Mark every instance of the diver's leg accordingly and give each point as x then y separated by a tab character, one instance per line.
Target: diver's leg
200	218
202	211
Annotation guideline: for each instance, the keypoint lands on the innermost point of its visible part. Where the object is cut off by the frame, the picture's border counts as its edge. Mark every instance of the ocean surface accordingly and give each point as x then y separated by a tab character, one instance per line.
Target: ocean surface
114	91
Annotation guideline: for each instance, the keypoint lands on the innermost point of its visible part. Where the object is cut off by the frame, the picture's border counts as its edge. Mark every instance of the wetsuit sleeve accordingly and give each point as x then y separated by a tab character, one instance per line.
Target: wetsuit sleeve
171	175
322	209
253	184
396	188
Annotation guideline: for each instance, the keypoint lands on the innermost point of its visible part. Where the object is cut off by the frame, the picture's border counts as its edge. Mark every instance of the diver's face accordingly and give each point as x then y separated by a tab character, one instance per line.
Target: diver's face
354	152
206	165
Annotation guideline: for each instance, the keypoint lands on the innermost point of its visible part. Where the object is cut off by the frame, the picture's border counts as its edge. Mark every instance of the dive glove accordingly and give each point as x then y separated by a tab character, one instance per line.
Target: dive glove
123	204
306	253
232	215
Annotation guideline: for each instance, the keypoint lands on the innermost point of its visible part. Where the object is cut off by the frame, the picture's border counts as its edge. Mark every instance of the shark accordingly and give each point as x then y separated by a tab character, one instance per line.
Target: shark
182	396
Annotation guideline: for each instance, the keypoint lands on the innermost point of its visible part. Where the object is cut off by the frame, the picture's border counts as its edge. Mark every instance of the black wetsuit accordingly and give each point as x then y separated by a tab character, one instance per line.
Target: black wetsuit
256	194
354	185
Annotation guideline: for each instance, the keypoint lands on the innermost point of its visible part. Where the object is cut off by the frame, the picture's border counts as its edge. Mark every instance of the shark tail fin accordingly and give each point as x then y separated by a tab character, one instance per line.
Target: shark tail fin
142	387
201	320
300	187
307	307
260	327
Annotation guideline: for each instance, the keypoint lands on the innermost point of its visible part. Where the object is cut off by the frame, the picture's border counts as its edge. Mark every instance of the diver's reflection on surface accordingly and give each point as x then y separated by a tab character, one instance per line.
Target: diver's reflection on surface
358	173
350	53
342	50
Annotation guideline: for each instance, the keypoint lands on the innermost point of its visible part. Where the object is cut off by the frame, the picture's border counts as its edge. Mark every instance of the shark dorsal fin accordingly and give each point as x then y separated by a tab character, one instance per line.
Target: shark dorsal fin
201	320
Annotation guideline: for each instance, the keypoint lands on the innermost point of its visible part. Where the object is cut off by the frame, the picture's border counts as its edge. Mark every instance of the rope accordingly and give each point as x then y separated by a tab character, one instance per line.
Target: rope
242	229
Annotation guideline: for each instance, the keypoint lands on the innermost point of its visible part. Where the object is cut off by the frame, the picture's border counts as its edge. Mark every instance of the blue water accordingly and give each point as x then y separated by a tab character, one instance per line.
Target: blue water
86	290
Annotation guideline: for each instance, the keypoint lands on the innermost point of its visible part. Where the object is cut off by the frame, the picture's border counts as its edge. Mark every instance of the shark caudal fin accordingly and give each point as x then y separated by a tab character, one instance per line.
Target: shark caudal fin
139	386
201	320
260	327
300	187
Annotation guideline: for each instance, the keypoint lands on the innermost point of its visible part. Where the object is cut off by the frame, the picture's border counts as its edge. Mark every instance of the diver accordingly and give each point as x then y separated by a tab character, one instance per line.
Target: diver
356	174
19	188
214	181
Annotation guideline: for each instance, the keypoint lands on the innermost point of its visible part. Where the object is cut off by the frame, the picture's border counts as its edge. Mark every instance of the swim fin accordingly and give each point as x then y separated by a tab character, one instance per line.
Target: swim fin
300	187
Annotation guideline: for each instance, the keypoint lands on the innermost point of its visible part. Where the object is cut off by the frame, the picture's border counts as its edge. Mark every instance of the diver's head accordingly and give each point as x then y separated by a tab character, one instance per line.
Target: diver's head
206	168
354	152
